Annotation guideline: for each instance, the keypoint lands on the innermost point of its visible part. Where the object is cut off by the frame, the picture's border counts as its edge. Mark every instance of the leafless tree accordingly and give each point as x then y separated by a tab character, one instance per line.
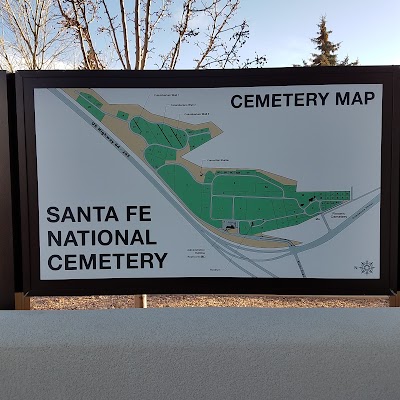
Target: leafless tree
31	35
208	26
78	15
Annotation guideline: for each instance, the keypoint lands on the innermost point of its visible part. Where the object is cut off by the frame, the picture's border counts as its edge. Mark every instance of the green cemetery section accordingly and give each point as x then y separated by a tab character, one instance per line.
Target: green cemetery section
222	207
91	99
323	197
159	133
196	196
255	201
123	115
250	228
208	177
250	199
198	140
262	204
197	131
96	112
245	185
156	155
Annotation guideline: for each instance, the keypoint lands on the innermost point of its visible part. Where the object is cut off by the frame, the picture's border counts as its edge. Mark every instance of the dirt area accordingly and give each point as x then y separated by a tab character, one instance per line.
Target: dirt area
153	301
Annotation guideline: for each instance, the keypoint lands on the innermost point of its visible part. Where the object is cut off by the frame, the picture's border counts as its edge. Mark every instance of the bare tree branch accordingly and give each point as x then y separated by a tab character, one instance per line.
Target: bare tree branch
151	22
125	32
112	31
31	34
5	62
137	34
78	15
182	29
146	34
218	45
220	19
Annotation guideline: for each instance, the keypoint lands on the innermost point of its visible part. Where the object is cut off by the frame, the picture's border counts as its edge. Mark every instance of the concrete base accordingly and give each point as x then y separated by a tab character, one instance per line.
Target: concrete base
200	354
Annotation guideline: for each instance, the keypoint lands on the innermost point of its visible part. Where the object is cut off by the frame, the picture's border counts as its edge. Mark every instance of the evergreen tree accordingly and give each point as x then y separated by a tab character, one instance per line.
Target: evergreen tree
326	56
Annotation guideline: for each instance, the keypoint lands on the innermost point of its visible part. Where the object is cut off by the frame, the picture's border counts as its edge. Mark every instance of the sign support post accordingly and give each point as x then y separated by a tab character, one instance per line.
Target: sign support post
394	301
22	302
140	300
6	224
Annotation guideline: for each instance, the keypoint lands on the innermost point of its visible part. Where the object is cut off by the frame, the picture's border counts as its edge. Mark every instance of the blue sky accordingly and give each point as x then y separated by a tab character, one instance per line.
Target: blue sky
369	30
281	29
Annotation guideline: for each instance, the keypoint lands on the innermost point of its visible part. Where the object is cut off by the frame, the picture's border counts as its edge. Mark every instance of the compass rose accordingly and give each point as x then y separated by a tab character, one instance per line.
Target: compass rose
366	267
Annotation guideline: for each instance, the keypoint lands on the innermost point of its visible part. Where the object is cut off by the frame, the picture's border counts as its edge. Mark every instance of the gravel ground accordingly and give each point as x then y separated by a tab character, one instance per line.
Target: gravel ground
153	301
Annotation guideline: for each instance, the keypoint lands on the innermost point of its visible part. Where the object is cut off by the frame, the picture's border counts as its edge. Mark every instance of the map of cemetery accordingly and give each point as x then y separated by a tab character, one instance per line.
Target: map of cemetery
253	217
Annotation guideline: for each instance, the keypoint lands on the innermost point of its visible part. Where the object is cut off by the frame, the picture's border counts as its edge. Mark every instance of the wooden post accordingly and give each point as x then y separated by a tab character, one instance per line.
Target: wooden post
140	300
22	302
394	301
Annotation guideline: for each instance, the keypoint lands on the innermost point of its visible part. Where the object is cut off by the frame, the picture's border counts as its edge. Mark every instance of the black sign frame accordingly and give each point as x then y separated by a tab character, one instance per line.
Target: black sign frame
7	296
27	81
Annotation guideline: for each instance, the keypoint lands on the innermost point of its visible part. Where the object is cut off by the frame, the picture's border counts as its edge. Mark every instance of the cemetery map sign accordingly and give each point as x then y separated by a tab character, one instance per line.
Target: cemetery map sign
271	182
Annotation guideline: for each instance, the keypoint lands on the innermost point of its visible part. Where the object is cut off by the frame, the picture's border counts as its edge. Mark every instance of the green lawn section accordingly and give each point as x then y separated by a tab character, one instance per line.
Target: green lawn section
290	190
196	196
286	207
208	177
261	198
238	172
244	185
123	115
247	208
326	205
198	140
313	208
246	228
197	131
291	207
279	208
335	198
90	107
265	189
158	133
276	214
274	181
257	200
240	208
157	155
252	208
91	99
222	207
267	185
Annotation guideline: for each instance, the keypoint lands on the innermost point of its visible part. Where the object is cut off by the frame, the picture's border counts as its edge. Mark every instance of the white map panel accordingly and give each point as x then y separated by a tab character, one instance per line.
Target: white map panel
290	190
